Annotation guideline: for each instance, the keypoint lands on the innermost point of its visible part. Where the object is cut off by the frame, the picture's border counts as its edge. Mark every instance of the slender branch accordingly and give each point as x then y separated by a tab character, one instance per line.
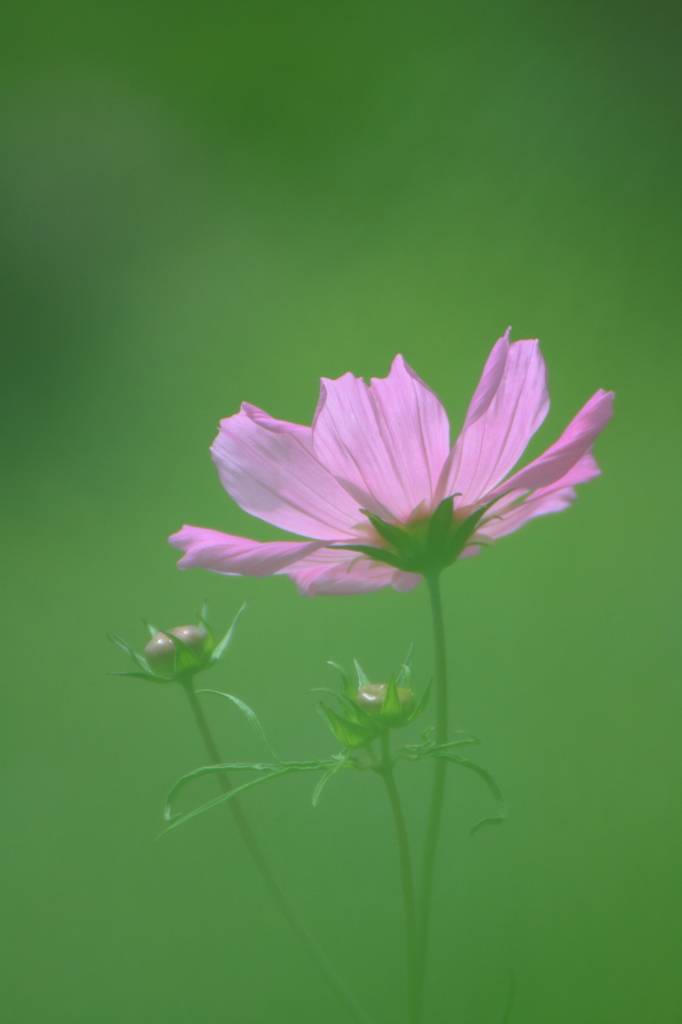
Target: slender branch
386	773
438	789
291	917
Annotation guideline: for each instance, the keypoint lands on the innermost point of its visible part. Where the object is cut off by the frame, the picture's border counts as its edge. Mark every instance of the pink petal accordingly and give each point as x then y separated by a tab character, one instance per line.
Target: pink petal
269	468
508	406
386	443
236	556
331	571
490	380
575	441
553	498
414	427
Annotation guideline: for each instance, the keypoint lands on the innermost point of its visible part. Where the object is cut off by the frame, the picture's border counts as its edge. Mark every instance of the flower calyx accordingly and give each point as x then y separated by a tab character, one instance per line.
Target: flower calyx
176	655
425	546
369	709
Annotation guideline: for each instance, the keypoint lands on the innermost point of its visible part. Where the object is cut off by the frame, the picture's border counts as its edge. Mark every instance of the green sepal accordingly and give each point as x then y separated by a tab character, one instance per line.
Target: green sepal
143	675
353	710
220	649
440	525
362	677
425	546
422	703
465	531
376	554
133	655
349	688
348	733
203	614
399	538
186	661
391	709
152	629
209	646
404	677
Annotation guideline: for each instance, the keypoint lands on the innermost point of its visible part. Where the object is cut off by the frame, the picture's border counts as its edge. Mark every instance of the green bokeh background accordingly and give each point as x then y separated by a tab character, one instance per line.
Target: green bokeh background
205	203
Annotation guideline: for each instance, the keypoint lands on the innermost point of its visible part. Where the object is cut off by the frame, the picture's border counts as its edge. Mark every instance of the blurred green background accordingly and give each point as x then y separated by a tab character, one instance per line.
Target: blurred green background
205	203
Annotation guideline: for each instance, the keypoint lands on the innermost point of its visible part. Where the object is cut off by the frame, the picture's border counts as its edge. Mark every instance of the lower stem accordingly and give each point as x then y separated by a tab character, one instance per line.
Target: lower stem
438	788
386	772
289	914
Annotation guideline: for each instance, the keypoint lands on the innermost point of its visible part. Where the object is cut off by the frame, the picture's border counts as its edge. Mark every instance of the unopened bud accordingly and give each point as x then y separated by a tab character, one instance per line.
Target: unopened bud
160	651
371	698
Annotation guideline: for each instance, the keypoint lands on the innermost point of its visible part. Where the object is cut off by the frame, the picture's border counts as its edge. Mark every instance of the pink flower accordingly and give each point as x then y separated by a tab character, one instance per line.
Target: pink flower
376	485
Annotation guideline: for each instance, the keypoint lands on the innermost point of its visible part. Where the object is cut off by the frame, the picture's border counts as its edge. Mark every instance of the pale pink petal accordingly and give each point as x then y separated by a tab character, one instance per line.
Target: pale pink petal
385	443
414	427
332	571
509	405
510	514
576	440
490	380
236	556
269	468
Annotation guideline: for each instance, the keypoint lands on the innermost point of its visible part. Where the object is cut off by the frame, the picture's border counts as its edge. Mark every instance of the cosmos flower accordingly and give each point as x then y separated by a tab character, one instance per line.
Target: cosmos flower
375	486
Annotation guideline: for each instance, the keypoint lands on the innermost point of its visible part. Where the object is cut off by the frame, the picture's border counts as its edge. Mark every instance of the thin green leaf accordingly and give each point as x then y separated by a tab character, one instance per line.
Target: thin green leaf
467	740
251	717
182	818
497	820
472	766
226	640
317	795
211	769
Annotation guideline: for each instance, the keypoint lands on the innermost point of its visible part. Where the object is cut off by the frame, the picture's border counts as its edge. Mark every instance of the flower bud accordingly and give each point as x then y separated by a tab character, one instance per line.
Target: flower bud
371	699
160	651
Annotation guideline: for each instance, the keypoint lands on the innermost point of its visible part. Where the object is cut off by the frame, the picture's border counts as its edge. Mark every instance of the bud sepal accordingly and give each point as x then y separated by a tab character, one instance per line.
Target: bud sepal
369	709
178	654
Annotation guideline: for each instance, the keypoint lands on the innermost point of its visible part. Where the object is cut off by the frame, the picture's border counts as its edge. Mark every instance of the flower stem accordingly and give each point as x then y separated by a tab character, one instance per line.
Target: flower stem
344	995
438	789
386	773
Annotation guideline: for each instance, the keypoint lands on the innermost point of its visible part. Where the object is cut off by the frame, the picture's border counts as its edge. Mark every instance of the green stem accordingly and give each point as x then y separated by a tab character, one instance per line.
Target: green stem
438	790
291	917
386	773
